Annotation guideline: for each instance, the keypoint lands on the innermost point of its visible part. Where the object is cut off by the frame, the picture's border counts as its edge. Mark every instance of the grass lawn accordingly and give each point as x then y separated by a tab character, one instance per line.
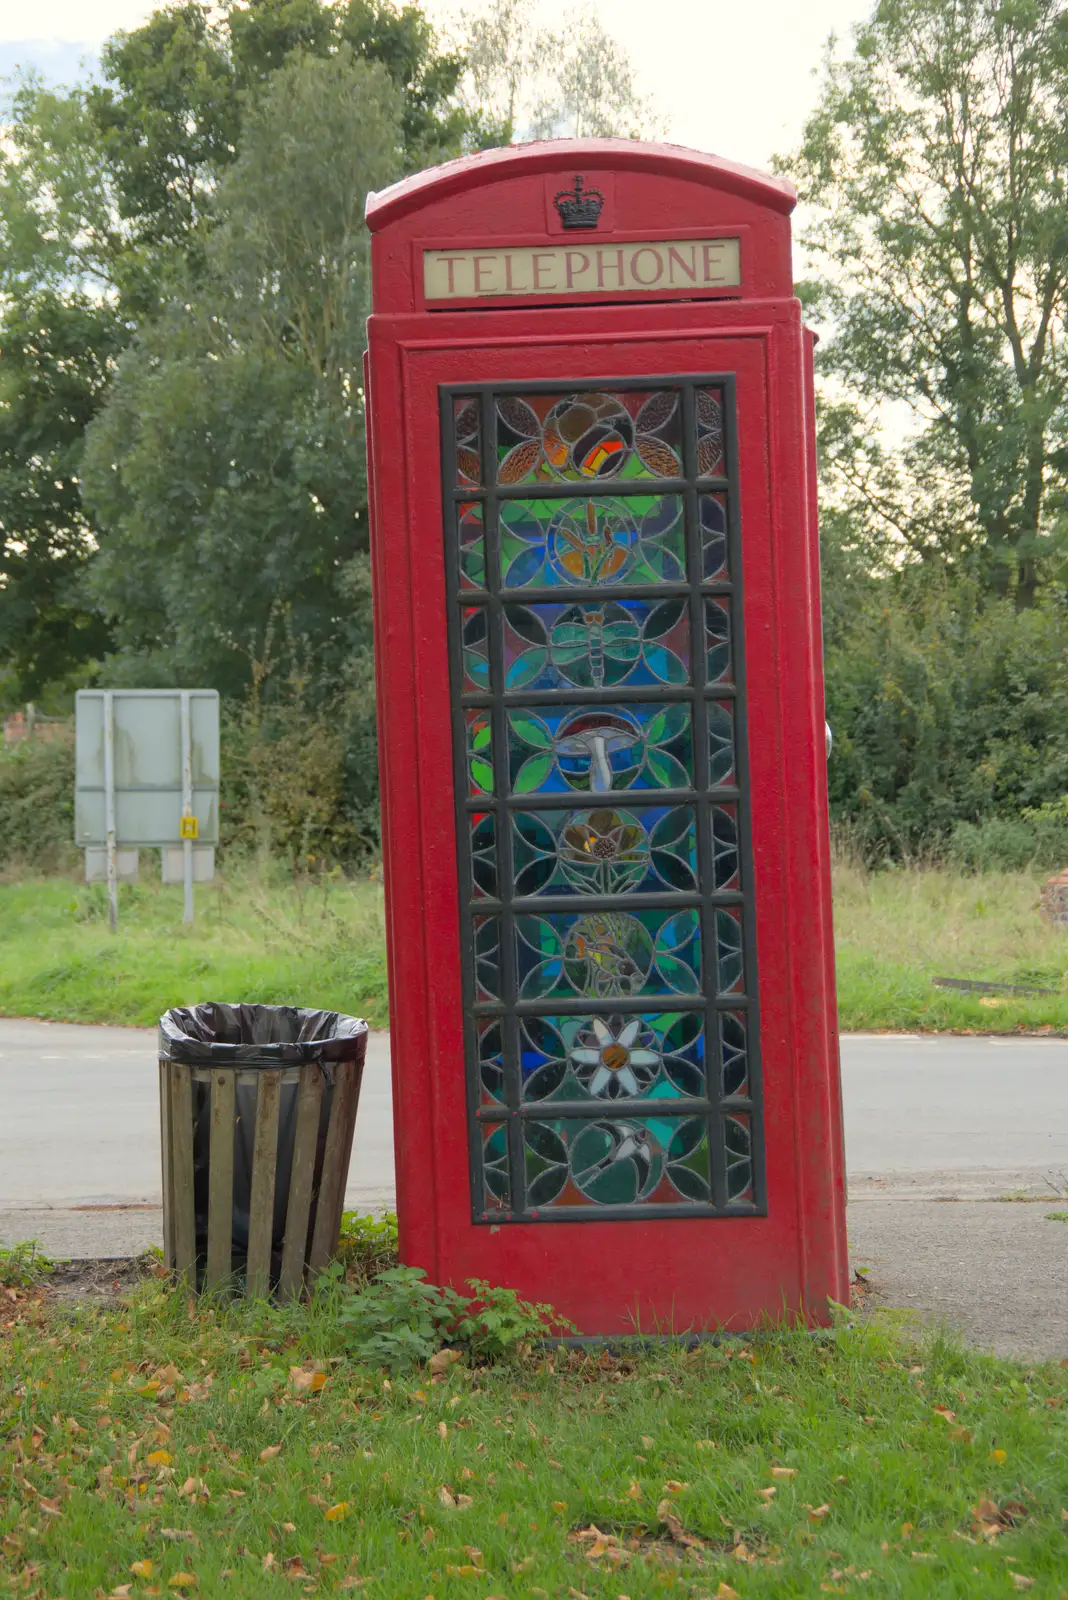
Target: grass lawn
152	1448
252	940
323	946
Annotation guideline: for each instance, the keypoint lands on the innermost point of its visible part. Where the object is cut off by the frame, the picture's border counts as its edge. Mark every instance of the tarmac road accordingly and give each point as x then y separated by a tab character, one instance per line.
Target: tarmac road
937	1128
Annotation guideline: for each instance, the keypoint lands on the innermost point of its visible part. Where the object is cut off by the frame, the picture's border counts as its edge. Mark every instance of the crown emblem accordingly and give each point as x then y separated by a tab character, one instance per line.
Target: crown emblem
578	207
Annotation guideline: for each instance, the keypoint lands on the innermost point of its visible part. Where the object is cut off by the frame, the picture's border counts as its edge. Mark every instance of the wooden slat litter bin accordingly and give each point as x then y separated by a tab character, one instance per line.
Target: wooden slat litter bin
256	1145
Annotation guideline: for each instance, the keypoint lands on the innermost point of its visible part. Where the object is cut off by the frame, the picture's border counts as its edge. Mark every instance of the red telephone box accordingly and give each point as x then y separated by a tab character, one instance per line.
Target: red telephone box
602	740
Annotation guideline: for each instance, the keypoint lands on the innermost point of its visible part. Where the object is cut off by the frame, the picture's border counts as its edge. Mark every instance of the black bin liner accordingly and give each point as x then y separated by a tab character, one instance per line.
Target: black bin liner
253	1038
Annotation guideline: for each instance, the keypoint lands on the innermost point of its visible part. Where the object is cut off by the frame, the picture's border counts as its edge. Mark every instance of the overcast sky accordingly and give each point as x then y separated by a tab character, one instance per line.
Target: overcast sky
734	79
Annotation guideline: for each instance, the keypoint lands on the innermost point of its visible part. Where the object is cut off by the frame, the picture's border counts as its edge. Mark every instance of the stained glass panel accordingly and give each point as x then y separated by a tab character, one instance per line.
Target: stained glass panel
725	869
628	1161
608	954
738	1136
589	435
475	637
592	1012
720	742
729	949
467	423
600	748
479	752
487	931
496	1186
483	825
732	1043
614	642
713	508
491	1061
471	545
708	407
647	850
607	541
653	1056
718	641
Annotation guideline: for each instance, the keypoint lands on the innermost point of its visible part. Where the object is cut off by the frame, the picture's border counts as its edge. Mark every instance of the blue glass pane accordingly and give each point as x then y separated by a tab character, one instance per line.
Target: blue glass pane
600	749
608	954
644	851
632	642
561	543
619	1162
654	1056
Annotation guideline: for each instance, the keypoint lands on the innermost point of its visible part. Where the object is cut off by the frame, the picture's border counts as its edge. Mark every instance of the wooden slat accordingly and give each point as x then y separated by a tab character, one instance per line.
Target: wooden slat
332	1182
221	1179
264	1169
184	1217
357	1071
302	1176
165	1157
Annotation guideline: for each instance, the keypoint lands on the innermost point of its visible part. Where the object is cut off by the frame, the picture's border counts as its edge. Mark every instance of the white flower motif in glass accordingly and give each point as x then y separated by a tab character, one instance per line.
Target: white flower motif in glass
616	1064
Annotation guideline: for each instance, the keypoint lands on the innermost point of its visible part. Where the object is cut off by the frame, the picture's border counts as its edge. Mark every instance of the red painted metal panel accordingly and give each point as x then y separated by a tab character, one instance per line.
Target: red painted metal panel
608	1276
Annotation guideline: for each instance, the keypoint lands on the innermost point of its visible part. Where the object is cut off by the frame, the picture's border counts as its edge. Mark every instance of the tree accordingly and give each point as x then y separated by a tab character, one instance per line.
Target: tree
109	197
227	464
936	164
541	84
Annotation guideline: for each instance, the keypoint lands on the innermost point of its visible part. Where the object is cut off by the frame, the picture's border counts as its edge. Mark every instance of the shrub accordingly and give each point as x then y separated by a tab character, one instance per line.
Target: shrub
37	805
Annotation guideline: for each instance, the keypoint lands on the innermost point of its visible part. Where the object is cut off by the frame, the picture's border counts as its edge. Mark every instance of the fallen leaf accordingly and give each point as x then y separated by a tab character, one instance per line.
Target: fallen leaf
443	1430
673	1486
963	1434
442	1360
446	1497
945	1413
159	1458
769	1493
270	1452
784	1472
51	1507
463	1501
268	1561
1020	1581
817	1513
182	1580
559	1505
725	1592
177	1533
294	1567
336	1512
634	1492
670	1518
141	1569
1000	1456
647	1443
466	1571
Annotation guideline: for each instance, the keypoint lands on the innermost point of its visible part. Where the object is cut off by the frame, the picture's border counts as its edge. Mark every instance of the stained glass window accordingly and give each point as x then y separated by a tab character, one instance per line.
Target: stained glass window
597	671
